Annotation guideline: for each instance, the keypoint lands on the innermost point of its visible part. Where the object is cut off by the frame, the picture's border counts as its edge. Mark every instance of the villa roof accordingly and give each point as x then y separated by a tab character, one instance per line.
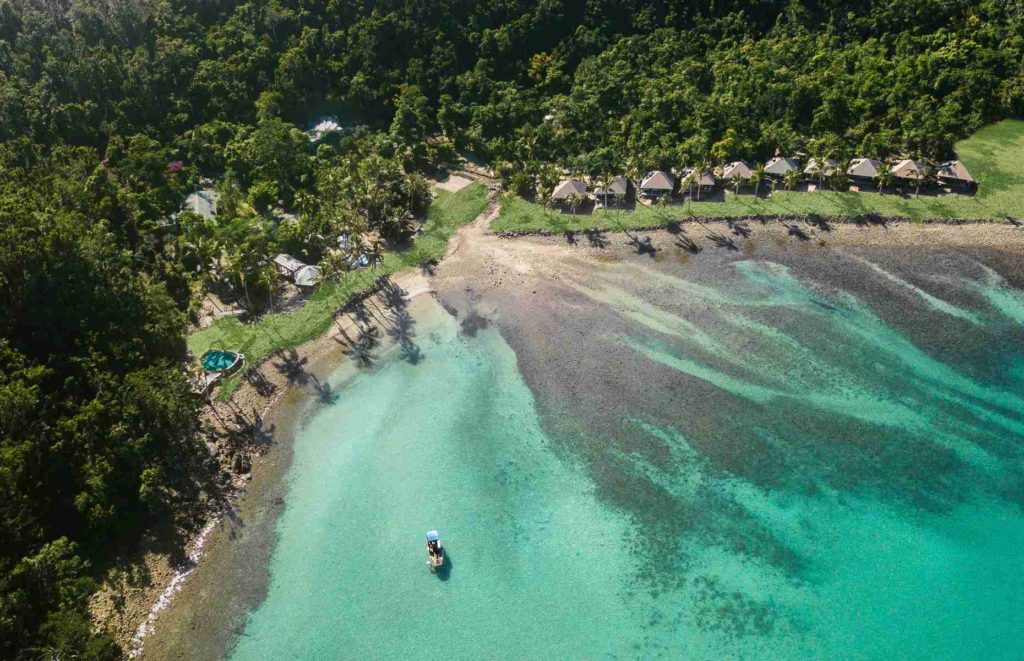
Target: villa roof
954	170
910	169
705	179
737	170
828	170
658	180
568	188
864	167
617	186
780	165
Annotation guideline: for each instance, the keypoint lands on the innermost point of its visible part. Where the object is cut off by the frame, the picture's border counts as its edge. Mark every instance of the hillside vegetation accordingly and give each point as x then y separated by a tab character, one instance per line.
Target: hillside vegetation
112	112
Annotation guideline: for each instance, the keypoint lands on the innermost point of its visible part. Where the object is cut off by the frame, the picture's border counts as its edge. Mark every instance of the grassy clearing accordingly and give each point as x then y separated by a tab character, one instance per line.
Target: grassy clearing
285	330
994	156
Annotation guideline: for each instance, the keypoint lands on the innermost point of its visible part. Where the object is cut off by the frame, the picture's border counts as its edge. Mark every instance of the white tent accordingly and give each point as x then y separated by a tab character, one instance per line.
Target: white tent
308	276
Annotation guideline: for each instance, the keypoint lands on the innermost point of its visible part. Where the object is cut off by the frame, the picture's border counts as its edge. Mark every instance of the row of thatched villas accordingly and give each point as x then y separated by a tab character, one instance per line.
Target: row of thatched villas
862	174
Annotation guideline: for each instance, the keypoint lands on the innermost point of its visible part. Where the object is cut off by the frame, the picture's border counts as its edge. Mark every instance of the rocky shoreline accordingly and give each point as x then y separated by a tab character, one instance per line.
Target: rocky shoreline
812	219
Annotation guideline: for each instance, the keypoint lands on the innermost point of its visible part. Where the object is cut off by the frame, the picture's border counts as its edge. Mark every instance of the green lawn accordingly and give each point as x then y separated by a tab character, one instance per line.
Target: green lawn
448	212
994	156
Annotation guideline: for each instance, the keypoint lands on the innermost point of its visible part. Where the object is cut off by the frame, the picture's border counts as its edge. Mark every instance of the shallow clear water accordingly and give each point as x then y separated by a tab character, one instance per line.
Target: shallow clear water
827	489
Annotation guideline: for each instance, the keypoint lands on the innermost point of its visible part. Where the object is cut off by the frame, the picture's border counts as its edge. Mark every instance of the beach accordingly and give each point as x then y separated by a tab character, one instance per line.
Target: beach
563	309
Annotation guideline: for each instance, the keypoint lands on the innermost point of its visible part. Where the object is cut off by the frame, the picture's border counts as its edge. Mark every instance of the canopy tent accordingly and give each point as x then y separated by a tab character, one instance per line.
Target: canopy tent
307	276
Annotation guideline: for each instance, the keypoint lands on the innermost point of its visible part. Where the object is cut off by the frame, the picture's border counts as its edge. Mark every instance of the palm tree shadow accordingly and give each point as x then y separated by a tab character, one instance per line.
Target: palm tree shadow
293	367
596	238
642	245
325	394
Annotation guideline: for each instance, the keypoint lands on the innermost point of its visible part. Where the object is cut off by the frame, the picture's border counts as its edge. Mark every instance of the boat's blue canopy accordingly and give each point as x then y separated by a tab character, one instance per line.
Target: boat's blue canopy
432	536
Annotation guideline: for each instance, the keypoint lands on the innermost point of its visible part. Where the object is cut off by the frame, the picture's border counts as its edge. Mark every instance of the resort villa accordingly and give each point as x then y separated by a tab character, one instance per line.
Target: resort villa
778	167
737	172
692	178
569	190
656	185
955	176
815	172
863	172
617	189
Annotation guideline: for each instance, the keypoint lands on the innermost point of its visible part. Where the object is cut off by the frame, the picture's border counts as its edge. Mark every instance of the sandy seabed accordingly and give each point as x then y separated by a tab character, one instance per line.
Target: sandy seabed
531	288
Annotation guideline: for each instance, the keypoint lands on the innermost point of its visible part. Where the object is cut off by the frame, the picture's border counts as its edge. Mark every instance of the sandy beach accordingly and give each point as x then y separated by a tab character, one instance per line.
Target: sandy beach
481	274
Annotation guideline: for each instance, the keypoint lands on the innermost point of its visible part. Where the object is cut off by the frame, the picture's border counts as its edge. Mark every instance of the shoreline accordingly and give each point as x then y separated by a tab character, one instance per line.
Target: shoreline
259	492
274	415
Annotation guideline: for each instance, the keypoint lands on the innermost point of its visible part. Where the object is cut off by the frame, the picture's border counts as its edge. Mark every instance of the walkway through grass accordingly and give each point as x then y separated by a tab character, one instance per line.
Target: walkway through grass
448	212
994	156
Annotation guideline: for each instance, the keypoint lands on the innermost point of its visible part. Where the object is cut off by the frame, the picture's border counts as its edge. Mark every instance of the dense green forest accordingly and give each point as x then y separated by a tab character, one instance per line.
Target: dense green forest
111	111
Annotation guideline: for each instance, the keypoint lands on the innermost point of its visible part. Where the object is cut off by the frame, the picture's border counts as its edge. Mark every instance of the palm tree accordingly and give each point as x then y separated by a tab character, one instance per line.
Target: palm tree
701	170
792	179
816	169
756	177
574	202
885	178
605	182
268	278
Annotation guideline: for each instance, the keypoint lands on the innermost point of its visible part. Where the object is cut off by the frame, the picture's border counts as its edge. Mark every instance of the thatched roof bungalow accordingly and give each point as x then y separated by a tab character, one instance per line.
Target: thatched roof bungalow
656	184
704	180
780	166
567	189
955	175
827	169
863	171
617	188
910	170
737	170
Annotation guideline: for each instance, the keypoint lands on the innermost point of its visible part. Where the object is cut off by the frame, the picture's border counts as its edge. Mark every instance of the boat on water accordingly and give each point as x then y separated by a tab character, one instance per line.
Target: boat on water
435	552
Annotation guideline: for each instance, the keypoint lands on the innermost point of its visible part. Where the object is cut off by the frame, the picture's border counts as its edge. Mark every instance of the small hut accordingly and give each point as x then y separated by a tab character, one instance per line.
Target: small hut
910	171
568	189
827	169
287	265
618	188
954	175
863	172
778	167
656	185
702	180
736	172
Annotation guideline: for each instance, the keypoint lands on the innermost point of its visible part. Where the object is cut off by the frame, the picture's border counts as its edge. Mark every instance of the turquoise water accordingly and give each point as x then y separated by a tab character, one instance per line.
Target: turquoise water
218	361
792	476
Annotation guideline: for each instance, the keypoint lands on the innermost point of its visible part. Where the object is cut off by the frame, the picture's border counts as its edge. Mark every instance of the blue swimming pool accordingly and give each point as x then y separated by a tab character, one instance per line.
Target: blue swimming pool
216	360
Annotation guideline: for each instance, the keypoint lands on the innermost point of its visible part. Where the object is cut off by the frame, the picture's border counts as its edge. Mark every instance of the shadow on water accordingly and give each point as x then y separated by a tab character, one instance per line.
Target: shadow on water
444	572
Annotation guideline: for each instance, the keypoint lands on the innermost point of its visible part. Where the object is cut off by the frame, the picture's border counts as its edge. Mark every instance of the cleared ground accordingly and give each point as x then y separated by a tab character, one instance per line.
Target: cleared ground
994	156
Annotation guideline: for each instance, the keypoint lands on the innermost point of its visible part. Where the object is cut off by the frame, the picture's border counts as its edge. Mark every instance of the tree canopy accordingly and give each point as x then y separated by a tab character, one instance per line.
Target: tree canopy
112	112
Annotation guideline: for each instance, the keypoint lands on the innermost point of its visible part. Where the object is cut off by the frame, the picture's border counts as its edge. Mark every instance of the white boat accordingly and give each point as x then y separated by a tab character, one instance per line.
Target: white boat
435	552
